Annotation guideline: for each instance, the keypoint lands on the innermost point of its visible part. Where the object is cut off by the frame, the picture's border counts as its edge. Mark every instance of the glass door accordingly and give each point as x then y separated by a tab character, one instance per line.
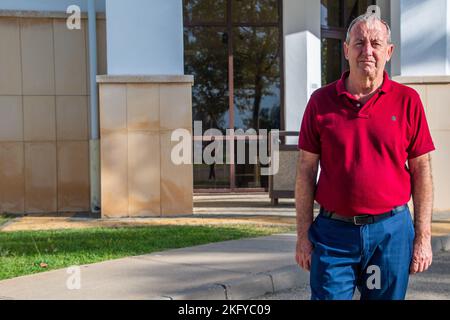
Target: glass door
234	49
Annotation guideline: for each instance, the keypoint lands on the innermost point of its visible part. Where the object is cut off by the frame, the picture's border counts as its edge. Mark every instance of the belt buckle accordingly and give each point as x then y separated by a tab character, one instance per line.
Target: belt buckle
355	220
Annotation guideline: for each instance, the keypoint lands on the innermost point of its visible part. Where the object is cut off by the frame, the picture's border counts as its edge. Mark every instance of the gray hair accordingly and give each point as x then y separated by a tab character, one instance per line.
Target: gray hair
368	18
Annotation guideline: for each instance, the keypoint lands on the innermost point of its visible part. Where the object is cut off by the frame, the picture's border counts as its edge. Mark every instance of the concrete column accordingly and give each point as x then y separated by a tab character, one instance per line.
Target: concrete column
424	30
302	58
144	98
145	37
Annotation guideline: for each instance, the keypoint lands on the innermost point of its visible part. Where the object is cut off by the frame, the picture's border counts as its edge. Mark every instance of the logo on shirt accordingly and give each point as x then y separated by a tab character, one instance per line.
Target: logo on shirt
394	118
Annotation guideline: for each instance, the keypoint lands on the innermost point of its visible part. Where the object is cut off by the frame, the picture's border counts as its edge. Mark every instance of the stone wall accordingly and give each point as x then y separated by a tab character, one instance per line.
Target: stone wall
435	95
44	118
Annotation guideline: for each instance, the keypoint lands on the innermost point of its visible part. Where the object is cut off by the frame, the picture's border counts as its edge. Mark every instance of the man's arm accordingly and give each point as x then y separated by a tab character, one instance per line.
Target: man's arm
422	193
307	168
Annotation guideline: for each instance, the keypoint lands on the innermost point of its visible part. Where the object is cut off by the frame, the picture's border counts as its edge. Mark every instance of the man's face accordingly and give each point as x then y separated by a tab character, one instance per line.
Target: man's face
368	50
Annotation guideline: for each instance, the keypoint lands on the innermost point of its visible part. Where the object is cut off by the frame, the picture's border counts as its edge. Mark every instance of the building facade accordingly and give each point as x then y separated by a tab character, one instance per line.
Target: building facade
161	65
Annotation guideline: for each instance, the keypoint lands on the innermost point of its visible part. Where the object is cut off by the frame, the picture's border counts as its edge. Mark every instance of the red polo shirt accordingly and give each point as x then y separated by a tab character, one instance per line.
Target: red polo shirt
363	150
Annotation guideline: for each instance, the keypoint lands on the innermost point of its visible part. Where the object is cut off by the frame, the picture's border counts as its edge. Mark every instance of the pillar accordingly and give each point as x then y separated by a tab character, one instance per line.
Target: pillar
144	97
301	28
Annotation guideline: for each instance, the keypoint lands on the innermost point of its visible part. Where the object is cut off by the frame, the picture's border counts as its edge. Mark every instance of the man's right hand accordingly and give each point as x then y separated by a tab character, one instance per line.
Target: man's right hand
305	185
303	253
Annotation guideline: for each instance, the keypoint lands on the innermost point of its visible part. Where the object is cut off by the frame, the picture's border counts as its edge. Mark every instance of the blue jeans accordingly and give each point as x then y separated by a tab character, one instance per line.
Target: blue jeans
373	257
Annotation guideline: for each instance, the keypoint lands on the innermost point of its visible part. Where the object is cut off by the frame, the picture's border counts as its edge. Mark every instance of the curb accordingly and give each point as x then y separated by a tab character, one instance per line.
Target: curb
257	285
247	287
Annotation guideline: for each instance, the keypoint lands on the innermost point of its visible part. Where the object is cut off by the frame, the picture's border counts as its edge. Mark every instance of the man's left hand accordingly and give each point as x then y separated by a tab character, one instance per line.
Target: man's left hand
422	255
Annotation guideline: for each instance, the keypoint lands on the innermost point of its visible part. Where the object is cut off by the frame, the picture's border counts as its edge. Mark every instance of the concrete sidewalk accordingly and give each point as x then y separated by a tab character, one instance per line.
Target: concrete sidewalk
238	269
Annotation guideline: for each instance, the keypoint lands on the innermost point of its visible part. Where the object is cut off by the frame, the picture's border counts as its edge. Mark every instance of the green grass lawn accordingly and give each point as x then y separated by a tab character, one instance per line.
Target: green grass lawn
22	252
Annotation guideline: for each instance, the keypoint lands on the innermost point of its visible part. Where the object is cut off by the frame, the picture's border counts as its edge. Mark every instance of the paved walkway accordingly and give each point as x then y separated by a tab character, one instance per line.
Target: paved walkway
238	269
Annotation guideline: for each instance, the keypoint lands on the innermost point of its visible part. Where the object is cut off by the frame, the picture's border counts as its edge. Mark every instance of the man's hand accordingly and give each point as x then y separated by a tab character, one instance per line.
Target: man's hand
303	253
304	204
422	255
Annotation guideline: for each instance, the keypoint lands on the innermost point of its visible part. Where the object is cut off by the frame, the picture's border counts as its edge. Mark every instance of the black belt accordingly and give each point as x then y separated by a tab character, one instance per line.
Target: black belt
360	220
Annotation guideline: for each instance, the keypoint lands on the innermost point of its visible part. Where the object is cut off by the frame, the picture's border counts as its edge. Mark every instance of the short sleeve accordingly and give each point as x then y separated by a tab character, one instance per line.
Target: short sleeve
420	141
309	138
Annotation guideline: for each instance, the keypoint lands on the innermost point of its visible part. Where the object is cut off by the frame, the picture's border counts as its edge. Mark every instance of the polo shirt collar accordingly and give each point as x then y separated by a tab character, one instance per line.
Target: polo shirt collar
341	90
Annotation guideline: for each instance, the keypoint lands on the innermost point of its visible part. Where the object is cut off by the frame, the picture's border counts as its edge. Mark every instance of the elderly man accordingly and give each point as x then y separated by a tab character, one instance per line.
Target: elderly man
371	137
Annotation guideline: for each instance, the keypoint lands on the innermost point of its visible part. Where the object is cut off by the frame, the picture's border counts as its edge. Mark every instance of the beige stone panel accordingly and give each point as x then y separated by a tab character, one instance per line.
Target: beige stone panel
439	107
176	182
72	117
40	177
113	107
143	174
11	118
441	173
73	176
38	72
175	106
39	118
70	59
12	178
143	107
422	91
10	65
114	174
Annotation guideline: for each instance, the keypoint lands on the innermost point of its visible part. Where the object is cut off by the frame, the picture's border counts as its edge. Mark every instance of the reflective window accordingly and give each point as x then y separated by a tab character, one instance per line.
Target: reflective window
256	78
254	11
354	8
253	27
331	13
248	175
331	60
340	13
195	11
214	175
206	58
336	16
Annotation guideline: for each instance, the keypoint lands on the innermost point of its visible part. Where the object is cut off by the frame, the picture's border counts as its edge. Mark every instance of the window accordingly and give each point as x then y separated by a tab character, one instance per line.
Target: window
336	16
234	50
